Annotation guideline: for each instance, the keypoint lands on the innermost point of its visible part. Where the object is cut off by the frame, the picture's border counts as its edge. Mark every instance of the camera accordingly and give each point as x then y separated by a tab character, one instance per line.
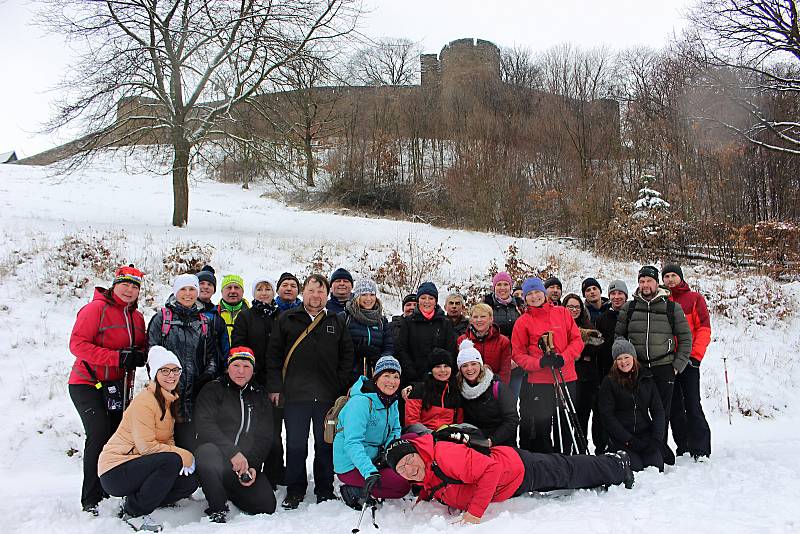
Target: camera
245	477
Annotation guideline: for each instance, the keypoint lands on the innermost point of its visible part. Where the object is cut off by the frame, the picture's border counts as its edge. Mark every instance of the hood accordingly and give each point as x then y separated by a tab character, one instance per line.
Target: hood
365	387
662	294
680	289
113	300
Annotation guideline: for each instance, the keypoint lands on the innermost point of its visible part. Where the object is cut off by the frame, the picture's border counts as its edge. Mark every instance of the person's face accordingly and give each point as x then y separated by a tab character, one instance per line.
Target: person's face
624	363
535	299
502	289
314	296
187	296
470	371
592	294
408	308
168	376
518	293
481	321
442	372
574	308
554	293
232	293
341	288
426	302
207	291
264	292
618	299
454	307
367	300
388	382
648	286
671	280
240	372
411	467
288	291
126	292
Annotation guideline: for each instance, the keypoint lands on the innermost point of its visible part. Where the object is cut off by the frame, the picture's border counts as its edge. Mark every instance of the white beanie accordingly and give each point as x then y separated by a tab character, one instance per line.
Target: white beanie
262	279
468	353
158	357
185	280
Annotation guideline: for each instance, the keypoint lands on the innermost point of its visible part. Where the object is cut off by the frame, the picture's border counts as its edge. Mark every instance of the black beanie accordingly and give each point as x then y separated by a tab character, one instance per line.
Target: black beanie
552	281
590	282
672	268
287	276
412	297
341	274
206	274
397	449
648	270
438	356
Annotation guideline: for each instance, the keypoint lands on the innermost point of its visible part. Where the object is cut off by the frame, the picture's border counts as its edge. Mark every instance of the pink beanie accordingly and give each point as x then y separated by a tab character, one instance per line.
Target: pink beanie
502	276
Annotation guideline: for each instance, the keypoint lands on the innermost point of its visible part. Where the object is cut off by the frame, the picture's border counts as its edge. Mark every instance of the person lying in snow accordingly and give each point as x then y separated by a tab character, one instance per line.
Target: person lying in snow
466	479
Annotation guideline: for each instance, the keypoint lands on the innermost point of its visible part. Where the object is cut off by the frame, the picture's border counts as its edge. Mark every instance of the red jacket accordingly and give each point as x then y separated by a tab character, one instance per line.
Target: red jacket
102	328
566	338
495	349
435	416
696	311
485	479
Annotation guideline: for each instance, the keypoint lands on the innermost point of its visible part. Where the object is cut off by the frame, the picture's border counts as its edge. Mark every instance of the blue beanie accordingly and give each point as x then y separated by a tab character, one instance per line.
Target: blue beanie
341	274
532	284
386	364
428	288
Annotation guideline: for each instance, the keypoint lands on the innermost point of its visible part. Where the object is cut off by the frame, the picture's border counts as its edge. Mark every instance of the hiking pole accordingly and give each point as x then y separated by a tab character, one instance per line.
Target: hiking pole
573	413
558	417
727	388
360	518
127	388
567	414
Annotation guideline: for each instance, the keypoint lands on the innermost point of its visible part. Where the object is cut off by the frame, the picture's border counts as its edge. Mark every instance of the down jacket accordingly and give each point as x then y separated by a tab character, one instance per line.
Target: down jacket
417	337
651	335
495	349
627	412
142	431
446	412
104	327
365	426
505	315
192	344
370	343
494	411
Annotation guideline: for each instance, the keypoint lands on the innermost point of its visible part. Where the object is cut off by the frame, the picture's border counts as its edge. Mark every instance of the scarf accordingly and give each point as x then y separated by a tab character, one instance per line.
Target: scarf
504	302
387	400
473	392
427	315
371	317
263	308
476	335
283	306
231	308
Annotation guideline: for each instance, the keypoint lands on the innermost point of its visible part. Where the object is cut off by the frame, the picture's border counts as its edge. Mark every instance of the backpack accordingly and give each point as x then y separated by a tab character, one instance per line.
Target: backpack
463	433
331	421
166	322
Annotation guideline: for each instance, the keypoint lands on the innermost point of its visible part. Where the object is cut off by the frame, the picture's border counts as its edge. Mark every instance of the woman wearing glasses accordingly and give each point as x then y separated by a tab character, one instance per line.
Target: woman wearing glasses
141	462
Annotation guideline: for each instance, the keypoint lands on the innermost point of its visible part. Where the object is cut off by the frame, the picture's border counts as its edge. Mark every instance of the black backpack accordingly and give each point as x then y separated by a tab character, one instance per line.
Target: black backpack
465	434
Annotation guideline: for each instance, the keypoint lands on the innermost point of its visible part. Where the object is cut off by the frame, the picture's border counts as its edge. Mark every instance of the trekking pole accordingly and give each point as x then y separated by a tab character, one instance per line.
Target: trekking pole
568	416
360	518
558	417
727	388
573	413
127	386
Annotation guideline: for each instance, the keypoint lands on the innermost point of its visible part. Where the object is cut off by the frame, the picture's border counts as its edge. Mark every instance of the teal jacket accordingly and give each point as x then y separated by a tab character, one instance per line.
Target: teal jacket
365	426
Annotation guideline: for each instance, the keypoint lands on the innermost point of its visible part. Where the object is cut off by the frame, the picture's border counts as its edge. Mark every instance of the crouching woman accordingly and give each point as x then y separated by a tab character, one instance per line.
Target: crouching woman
141	462
367	424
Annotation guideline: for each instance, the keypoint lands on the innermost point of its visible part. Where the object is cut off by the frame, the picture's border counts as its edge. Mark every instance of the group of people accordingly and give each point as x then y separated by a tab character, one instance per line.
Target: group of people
528	369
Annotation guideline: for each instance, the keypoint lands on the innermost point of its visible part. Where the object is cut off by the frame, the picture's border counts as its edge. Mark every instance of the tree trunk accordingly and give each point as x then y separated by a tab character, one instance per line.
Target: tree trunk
308	147
180	184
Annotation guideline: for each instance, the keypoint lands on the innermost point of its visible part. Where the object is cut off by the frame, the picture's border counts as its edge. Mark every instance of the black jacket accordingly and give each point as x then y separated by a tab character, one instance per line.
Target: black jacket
505	315
416	339
627	413
497	417
321	368
235	419
252	329
606	324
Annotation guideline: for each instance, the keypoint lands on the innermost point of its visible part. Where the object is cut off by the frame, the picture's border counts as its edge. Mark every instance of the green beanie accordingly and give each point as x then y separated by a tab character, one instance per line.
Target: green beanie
232	279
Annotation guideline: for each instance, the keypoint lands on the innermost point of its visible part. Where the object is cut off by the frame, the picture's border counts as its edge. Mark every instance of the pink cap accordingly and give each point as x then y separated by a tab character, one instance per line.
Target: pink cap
502	276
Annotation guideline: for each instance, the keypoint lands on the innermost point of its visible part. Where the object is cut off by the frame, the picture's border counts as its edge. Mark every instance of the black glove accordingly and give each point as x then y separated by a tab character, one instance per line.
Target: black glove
131	358
380	461
694	363
553	360
373	480
638	444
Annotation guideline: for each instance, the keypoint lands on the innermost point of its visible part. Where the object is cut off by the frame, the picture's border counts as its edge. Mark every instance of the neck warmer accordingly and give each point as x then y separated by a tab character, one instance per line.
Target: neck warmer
263	308
477	336
387	400
366	317
283	306
427	315
503	301
231	308
473	392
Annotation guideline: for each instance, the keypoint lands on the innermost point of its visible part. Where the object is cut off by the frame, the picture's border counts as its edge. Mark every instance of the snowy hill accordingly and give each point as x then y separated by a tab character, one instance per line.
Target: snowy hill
54	228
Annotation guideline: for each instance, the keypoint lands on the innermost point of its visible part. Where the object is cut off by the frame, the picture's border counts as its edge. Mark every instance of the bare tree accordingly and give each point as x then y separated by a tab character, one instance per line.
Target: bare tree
180	72
519	68
389	61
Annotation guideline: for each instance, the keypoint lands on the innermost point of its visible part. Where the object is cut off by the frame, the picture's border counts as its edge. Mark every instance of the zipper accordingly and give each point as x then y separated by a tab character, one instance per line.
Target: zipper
241	424
647	336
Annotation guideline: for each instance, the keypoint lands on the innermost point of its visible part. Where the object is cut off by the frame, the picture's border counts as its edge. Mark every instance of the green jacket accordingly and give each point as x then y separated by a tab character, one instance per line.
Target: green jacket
650	332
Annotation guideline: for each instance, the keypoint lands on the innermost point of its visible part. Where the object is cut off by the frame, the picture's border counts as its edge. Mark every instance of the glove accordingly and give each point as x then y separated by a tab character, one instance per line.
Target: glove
186	471
694	362
637	444
380	461
552	360
373	480
131	358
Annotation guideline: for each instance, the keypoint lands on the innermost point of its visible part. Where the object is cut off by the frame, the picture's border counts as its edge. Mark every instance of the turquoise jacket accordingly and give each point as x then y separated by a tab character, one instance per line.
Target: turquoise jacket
365	425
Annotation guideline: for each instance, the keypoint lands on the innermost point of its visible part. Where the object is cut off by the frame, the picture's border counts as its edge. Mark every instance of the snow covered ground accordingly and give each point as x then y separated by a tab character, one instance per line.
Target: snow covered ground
751	483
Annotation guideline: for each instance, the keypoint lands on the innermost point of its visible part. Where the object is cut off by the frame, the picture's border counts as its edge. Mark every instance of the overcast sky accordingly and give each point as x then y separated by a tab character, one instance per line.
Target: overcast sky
33	62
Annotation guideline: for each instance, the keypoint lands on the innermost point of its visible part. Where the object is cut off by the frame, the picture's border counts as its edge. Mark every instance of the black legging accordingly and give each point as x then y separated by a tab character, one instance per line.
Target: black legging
545	472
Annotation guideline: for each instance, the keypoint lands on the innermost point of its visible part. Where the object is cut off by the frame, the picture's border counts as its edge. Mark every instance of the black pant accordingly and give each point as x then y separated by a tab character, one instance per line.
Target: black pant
149	481
99	425
545	472
297	416
586	404
538	410
689	426
664	377
274	467
221	483
185	435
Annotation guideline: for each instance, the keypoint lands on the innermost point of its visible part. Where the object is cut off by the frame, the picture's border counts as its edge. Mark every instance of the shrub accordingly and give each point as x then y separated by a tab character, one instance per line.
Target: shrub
186	258
410	263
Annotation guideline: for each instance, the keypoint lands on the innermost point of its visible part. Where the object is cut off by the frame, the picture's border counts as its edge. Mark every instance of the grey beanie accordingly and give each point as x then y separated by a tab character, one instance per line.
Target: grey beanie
622	346
618	285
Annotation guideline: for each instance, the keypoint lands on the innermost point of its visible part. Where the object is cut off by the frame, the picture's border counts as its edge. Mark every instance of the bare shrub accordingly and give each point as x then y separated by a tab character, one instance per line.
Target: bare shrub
185	258
759	300
319	263
410	263
78	261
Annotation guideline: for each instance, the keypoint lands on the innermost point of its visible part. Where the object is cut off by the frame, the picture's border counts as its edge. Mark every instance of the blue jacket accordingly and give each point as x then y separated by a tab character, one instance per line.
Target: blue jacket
369	342
365	425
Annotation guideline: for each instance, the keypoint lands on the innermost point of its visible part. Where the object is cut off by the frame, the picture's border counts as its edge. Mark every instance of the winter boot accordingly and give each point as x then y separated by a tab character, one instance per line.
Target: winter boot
625	462
351	495
217	517
91	509
292	502
142	523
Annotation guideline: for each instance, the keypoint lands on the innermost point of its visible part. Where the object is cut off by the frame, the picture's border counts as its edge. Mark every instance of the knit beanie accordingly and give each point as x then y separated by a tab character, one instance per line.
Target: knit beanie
261	280
648	270
241	353
672	268
386	364
532	284
553	281
439	356
468	353
229	279
185	280
128	273
502	276
590	282
618	285
206	274
364	286
411	297
397	450
622	346
287	276
341	274
158	357
428	288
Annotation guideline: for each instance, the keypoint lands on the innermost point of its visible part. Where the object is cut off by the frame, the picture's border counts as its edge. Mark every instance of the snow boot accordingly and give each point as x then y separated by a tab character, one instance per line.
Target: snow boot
91	509
142	523
292	502
625	462
351	495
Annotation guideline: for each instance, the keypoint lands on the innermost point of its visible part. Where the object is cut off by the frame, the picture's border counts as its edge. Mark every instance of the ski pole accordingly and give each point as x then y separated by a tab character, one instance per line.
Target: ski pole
727	388
360	518
573	413
558	416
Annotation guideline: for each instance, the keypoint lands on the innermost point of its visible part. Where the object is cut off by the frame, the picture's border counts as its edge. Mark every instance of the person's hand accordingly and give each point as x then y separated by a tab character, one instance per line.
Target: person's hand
131	359
552	360
373	480
186	471
252	473
513	365
406	392
467	519
239	463
274	398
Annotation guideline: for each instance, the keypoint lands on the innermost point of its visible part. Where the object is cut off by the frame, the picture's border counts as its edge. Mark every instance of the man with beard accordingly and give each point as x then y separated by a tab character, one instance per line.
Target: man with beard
554	290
